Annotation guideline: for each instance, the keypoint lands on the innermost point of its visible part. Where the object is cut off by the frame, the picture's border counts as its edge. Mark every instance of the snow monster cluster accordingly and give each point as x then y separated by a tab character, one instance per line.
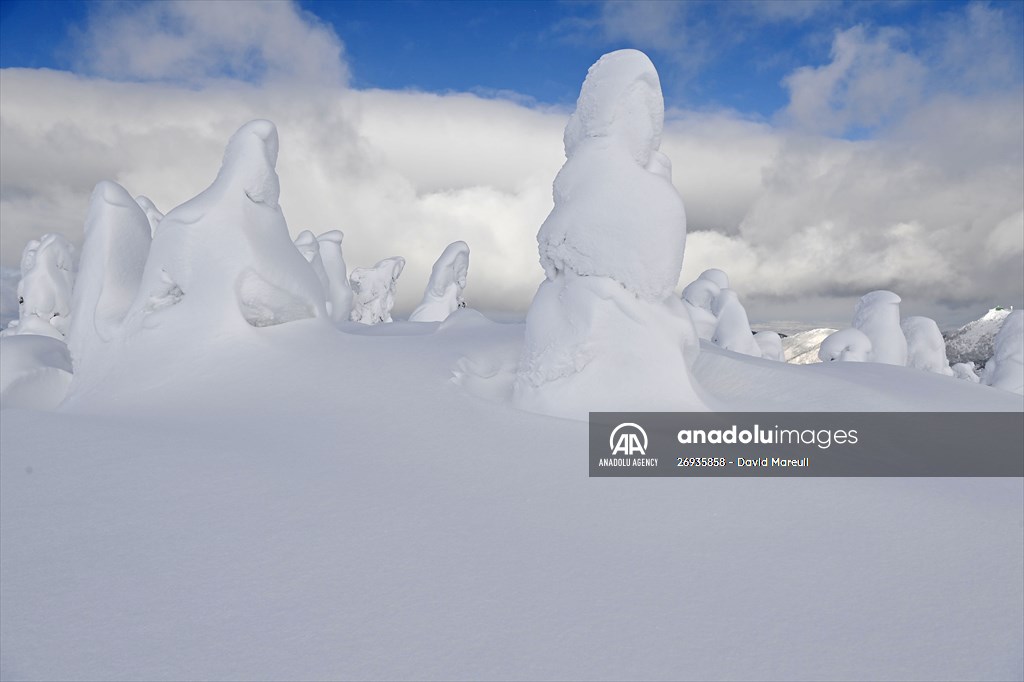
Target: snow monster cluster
605	330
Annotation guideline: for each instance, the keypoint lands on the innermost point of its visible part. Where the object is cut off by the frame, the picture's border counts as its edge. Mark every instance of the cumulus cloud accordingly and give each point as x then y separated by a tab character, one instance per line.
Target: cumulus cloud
928	205
187	41
869	80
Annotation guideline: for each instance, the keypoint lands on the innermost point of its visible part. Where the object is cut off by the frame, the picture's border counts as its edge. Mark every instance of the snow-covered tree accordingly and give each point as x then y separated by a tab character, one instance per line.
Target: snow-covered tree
877	314
605	330
44	291
846	345
926	349
373	290
1006	368
339	291
444	289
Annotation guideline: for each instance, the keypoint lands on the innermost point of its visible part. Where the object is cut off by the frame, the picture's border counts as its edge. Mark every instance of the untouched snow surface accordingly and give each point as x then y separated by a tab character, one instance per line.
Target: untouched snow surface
303	503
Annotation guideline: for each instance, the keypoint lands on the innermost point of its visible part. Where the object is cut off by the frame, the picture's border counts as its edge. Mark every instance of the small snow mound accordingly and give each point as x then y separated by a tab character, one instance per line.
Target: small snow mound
1006	369
877	315
699	297
592	346
35	372
770	344
846	345
732	331
926	349
373	290
44	290
966	371
443	295
339	291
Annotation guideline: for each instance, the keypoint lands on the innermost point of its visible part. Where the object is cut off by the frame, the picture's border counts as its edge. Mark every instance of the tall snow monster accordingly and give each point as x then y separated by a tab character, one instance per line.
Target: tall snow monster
604	331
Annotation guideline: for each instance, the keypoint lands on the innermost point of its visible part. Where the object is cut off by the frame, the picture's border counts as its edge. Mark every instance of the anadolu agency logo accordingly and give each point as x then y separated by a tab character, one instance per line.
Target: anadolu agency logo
628	446
628	439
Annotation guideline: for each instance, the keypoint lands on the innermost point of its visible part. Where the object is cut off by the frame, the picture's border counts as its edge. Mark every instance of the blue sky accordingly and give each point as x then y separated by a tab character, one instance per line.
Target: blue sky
711	55
822	149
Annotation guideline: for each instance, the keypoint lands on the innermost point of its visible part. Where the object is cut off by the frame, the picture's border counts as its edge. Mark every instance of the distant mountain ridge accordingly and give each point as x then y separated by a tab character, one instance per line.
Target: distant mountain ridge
802	348
973	341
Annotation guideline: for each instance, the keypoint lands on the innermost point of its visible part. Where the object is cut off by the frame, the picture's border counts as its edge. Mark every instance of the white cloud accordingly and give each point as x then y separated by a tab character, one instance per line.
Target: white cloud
869	81
184	40
977	49
930	207
652	23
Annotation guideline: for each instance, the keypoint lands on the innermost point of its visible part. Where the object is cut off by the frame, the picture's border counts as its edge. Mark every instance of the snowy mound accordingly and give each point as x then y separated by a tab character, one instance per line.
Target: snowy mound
699	297
973	341
965	371
877	314
35	371
373	290
846	345
604	331
309	247
770	344
117	242
1006	368
591	346
444	289
44	290
339	291
609	141
732	330
926	349
802	348
224	261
